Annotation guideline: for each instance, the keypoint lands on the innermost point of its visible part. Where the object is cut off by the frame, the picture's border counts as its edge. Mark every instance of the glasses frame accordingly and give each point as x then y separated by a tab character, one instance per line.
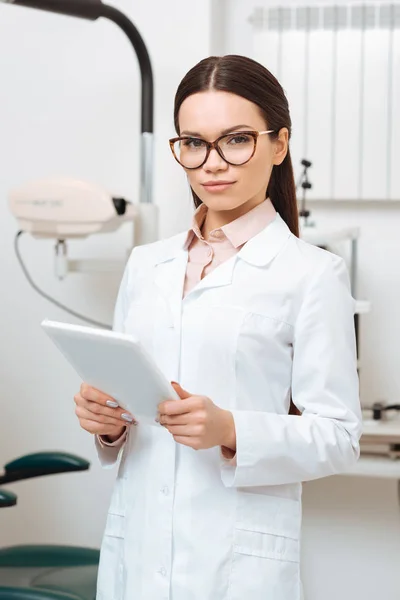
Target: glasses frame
214	146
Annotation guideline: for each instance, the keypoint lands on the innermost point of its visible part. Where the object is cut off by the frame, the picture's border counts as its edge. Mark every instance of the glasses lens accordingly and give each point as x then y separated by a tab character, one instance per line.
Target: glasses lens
191	152
237	148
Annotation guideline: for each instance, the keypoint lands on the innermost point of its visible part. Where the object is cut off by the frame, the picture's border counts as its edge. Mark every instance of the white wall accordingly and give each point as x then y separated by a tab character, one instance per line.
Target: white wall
351	534
70	105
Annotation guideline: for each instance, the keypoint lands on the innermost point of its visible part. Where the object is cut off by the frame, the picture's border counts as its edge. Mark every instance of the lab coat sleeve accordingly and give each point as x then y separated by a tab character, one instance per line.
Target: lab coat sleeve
277	449
109	454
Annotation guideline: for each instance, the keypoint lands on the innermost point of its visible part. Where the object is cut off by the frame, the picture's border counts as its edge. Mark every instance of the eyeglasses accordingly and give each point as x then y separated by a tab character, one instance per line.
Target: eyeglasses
235	148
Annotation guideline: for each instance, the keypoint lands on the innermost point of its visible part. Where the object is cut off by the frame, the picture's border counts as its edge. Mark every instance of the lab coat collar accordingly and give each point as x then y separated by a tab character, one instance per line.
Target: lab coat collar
171	265
263	247
172	248
258	251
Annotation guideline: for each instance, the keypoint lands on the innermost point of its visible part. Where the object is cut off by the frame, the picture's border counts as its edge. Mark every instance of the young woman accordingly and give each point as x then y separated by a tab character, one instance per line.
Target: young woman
243	317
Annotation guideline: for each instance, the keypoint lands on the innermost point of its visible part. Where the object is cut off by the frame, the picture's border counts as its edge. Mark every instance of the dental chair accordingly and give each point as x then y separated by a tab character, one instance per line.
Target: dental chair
7	499
45	572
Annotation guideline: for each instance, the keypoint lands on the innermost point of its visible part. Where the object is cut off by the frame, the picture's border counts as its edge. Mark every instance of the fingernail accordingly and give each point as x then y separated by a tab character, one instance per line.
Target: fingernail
112	403
127	417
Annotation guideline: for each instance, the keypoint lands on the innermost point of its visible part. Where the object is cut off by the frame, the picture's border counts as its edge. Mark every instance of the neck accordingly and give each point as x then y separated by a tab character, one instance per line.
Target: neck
218	218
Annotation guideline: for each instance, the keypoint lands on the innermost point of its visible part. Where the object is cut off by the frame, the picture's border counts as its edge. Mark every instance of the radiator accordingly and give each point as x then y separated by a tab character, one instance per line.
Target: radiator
340	68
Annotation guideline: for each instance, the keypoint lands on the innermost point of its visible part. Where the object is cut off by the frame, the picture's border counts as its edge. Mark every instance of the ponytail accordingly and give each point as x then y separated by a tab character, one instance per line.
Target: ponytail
282	193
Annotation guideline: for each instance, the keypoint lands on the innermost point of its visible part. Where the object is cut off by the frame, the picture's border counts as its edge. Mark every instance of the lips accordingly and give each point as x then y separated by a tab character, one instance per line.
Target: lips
217	187
212	183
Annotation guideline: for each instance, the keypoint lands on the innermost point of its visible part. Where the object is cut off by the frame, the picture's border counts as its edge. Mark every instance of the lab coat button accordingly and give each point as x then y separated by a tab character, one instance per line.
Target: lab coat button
165	490
162	571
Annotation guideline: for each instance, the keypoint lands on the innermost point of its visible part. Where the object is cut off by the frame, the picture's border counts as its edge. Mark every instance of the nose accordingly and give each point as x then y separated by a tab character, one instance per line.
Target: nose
215	162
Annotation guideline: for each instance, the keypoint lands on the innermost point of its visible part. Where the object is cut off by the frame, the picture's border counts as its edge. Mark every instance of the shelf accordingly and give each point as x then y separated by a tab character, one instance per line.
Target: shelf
378	433
320	237
384	429
375	466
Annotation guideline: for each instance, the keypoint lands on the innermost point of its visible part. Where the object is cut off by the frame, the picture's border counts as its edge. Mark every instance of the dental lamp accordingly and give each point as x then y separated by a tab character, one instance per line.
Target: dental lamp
64	209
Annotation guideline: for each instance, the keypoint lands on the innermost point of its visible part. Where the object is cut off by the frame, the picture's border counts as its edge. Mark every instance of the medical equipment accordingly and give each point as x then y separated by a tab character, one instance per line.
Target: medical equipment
32	211
305	185
379	409
45	572
93	10
65	209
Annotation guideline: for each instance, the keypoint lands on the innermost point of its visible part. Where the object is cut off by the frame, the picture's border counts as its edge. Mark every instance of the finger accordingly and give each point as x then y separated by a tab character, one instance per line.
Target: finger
84	413
189	431
184	419
99	409
116	413
97	428
174	407
94	395
183	394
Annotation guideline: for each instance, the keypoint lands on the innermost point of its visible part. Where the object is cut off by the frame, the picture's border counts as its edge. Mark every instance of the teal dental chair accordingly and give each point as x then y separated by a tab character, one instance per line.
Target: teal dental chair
45	572
7	499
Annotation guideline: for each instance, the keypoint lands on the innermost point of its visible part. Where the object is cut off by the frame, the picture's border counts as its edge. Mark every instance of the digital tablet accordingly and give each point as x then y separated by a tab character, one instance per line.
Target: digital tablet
115	364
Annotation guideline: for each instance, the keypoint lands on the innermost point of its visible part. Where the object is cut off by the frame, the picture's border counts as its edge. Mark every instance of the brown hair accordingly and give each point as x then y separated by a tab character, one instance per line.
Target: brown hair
247	78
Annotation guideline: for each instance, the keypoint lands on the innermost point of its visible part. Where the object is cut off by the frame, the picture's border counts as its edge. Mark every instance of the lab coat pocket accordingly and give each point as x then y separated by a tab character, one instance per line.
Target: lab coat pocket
111	574
268	514
110	580
266	549
115	526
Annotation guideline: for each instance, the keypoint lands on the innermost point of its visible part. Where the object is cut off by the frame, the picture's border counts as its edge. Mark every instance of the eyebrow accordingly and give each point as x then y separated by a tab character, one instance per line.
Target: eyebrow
223	132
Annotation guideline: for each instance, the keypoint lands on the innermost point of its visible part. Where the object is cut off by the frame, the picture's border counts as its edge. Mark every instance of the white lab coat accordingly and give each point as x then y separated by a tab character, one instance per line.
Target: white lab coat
275	319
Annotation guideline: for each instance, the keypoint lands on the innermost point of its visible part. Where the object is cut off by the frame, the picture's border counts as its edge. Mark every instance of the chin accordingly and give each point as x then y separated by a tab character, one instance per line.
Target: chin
220	203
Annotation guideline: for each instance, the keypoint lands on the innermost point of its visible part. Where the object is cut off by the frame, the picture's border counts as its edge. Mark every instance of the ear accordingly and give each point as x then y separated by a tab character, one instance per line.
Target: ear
281	146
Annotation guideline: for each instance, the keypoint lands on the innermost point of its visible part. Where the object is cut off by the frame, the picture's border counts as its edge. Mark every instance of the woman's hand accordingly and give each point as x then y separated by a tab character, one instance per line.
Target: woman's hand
197	422
99	414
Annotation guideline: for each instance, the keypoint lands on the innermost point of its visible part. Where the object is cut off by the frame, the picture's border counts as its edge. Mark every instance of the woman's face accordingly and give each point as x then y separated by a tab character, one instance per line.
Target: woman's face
210	114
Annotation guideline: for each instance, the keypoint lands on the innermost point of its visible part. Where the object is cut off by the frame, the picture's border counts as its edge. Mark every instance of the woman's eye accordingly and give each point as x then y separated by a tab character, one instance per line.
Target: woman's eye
193	143
239	139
